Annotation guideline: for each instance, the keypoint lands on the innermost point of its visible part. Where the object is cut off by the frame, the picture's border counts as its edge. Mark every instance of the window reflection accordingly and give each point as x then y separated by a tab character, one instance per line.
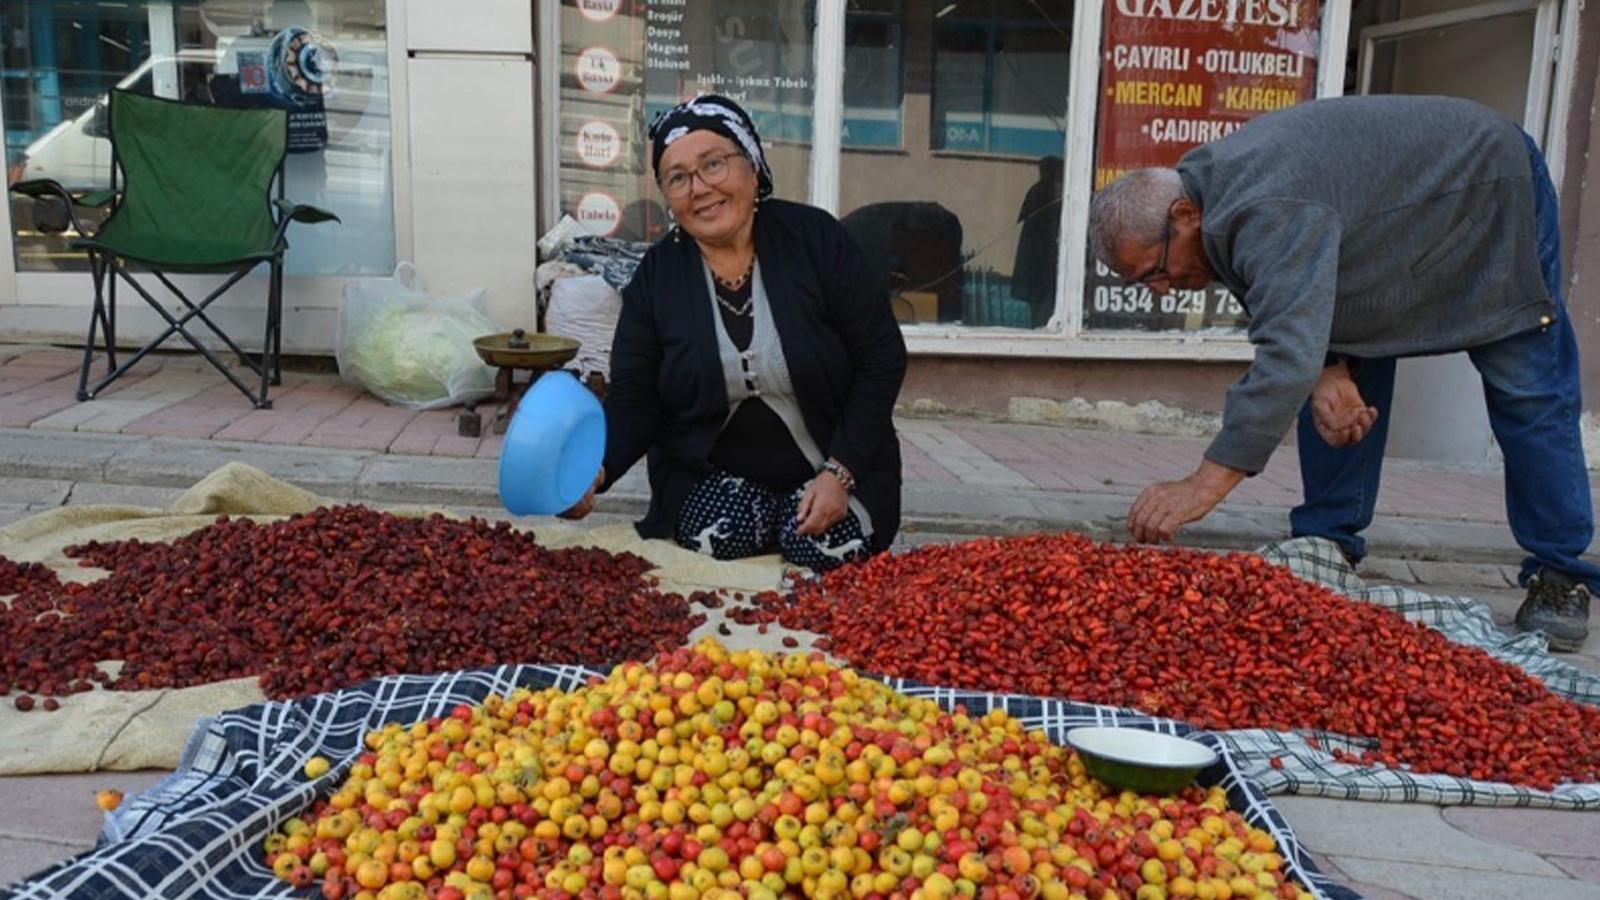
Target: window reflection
963	211
622	63
324	61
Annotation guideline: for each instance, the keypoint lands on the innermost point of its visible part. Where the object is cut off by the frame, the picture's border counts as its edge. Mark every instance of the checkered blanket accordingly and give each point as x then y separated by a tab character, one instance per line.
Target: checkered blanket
199	832
1465	621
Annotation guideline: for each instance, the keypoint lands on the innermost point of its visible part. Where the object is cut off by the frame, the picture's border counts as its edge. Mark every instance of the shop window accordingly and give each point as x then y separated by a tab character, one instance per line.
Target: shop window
621	63
874	71
1167	86
325	61
966	222
1000	74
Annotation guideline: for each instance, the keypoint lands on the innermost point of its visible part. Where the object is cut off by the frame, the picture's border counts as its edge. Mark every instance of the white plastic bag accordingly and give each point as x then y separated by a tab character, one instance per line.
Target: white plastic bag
411	348
585	308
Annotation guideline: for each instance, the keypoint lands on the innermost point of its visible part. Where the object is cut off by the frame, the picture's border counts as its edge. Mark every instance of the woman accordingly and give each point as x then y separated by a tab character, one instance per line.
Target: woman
756	362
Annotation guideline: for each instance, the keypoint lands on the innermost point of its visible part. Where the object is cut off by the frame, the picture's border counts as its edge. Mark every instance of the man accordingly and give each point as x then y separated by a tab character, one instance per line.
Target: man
1033	274
1354	231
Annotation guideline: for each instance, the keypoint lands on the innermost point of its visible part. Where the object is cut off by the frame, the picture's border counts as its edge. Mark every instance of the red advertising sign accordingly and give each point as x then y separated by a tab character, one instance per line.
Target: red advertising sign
1176	74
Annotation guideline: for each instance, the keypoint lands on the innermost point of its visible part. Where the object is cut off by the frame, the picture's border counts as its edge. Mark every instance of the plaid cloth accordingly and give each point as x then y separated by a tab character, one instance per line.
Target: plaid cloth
1465	621
199	832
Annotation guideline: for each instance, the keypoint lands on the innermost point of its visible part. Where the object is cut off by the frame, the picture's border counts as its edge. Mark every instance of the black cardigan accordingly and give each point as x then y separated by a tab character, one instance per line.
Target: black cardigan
846	361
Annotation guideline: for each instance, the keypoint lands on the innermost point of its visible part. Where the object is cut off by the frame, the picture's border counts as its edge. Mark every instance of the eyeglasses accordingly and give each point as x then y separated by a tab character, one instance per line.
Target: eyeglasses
1160	273
712	170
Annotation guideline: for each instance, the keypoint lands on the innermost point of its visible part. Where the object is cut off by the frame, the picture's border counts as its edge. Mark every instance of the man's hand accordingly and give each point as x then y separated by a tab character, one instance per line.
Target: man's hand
1337	410
586	505
1164	508
824	504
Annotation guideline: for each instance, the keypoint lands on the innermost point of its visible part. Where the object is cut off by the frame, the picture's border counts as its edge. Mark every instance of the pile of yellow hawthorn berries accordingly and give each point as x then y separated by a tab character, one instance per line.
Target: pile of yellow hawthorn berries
712	773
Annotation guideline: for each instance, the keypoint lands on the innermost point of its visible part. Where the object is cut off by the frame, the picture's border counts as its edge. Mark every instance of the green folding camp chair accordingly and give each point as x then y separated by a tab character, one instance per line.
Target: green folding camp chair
196	195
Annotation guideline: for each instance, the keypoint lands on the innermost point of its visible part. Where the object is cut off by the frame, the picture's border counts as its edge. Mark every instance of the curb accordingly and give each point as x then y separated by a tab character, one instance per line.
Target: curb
447	481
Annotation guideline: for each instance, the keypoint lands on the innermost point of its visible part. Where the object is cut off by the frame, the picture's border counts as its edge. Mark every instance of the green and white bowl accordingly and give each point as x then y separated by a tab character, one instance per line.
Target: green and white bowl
1139	760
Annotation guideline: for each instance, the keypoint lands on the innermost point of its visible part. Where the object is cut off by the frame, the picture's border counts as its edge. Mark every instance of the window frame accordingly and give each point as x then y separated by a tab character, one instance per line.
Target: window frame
1541	68
35	302
993	27
1063	338
896	21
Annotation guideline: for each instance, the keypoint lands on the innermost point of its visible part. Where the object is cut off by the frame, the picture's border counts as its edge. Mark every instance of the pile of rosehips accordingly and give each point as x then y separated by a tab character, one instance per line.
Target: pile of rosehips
17	577
325	600
721	775
1219	641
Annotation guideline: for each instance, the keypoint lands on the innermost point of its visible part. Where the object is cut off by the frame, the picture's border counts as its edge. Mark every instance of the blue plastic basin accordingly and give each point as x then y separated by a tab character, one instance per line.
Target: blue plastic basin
553	448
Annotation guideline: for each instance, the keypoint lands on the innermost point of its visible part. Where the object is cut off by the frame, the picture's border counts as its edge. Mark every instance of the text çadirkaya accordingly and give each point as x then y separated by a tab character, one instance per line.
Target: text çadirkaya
1276	13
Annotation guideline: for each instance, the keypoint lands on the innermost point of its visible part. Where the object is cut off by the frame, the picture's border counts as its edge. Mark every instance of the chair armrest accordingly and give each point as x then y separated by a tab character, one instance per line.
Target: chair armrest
299	212
40	188
95	199
303	212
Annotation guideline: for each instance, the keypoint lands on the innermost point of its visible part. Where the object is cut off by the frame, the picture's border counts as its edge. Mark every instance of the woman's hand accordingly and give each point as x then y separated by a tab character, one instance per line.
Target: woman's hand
586	505
824	504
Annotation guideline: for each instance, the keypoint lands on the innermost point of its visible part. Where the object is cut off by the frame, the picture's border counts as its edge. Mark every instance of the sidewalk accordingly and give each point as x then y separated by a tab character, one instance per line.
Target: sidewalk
1440	527
171	419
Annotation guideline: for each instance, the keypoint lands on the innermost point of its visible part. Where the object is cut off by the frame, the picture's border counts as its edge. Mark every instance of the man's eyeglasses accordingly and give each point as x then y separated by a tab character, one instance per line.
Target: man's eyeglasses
712	170
1160	273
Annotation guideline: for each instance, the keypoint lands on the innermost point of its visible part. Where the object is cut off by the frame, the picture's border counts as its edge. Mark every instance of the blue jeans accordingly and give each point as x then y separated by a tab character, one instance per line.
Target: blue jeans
1530	383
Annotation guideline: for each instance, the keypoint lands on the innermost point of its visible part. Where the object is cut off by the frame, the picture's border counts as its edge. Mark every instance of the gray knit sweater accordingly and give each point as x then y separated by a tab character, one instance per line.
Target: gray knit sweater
1368	226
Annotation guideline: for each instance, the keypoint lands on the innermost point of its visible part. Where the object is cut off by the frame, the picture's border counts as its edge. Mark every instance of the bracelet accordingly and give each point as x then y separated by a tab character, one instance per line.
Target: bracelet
846	480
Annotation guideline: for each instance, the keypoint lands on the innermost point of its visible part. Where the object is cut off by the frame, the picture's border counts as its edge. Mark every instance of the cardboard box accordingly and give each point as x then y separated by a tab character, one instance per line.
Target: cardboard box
912	308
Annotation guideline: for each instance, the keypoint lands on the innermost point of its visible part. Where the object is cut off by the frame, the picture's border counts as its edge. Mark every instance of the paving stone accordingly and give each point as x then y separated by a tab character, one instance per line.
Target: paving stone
104	416
1231	526
1562	833
1432	882
117	415
1581	869
1407	832
61	808
289	431
28	412
1384	570
74	457
995	475
1373	892
177	463
456	446
49	358
1003	510
87	494
1589	659
168	386
1419	539
1474	574
940	443
33	491
471	482
371	442
15	512
68	419
1325	865
22	857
